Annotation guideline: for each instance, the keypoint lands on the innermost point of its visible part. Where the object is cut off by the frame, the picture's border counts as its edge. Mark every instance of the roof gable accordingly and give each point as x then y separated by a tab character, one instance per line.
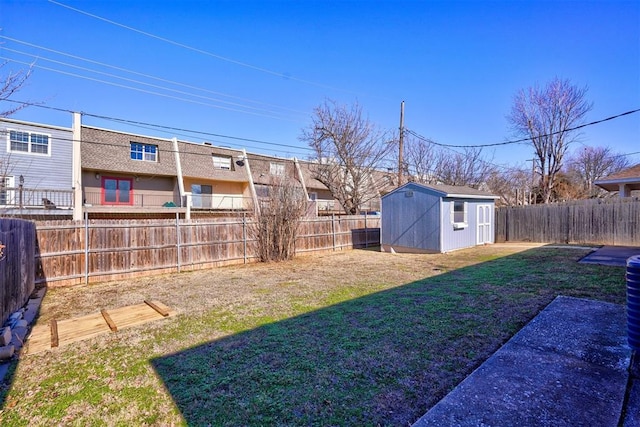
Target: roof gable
440	190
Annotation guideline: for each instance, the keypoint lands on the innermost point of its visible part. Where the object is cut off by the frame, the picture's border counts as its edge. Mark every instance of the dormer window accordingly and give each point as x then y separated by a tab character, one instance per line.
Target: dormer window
221	162
144	152
276	168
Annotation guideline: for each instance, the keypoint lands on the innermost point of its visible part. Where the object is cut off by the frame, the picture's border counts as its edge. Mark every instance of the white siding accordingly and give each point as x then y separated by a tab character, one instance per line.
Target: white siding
52	171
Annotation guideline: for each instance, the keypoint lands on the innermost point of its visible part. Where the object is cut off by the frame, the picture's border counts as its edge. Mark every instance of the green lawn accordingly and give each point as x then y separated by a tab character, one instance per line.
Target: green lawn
349	338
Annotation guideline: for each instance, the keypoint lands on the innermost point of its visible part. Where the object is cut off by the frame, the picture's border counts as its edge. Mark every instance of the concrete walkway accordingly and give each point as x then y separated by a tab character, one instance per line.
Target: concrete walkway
567	367
611	255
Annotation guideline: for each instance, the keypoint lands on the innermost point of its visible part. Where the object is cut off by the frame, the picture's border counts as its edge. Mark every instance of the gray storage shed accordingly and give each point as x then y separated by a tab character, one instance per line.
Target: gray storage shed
436	218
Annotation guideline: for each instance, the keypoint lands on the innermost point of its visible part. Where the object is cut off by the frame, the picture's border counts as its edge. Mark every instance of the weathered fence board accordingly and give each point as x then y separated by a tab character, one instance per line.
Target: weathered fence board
17	264
603	222
98	250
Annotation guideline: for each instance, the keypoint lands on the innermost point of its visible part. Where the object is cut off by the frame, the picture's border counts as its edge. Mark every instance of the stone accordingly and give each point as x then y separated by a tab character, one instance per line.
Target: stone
19	333
14	317
7	351
32	311
5	336
21	324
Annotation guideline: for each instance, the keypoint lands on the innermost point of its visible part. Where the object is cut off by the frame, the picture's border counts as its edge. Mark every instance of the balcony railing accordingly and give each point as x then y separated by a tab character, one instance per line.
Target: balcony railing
35	198
136	199
220	202
326	207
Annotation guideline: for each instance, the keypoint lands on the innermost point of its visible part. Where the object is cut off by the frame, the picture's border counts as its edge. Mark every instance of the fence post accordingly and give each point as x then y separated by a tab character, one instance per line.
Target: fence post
86	247
244	237
333	230
366	234
178	239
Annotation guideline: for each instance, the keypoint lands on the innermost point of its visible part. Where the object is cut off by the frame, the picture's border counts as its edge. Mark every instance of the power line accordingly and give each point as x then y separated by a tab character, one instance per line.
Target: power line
144	90
138	81
201	51
518	141
157	126
145	75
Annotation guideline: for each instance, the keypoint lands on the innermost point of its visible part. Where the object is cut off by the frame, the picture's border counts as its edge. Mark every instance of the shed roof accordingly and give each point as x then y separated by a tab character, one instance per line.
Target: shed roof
450	191
629	176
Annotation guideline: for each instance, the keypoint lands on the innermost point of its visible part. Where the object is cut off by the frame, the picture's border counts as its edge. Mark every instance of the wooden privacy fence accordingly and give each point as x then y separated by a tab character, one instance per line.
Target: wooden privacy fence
17	264
600	221
73	252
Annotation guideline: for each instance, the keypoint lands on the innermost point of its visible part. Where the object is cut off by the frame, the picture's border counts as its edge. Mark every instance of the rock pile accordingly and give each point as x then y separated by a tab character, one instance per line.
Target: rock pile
15	329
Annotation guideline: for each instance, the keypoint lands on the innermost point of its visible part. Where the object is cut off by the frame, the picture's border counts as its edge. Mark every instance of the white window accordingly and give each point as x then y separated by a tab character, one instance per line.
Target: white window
459	217
221	162
7	192
28	142
144	152
276	168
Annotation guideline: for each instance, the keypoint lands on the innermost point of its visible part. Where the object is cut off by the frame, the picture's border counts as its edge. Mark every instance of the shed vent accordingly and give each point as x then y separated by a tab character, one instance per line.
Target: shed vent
408	193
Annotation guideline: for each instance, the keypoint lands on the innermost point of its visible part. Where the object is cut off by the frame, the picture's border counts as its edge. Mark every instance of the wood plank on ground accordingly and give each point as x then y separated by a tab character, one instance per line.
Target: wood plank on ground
40	338
109	321
157	308
54	333
80	328
136	314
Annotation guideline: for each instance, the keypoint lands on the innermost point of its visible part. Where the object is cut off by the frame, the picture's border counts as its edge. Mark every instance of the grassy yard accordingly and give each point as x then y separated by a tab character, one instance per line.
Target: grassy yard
347	338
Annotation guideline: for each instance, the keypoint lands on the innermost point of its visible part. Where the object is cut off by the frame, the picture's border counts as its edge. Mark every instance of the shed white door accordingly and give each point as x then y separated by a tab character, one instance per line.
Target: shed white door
484	224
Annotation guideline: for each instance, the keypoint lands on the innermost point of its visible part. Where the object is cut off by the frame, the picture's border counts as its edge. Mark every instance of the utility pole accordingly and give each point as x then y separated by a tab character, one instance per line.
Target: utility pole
401	145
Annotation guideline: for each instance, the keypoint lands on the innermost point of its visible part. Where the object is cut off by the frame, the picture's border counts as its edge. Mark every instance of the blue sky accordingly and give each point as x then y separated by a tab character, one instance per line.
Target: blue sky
256	69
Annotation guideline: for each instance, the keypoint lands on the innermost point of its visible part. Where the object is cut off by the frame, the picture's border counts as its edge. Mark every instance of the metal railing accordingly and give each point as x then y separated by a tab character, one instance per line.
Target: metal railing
136	199
22	198
220	202
333	206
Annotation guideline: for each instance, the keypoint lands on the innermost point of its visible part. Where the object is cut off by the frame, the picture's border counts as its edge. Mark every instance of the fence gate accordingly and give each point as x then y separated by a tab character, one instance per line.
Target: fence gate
17	264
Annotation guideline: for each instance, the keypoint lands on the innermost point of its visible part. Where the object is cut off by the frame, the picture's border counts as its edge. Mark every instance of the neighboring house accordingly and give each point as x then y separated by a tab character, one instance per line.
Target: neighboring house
215	179
267	171
319	194
123	173
36	170
624	182
378	183
436	218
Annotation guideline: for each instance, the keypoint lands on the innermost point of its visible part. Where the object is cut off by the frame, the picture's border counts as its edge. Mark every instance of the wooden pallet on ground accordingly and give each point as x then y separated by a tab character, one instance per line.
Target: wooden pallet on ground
64	332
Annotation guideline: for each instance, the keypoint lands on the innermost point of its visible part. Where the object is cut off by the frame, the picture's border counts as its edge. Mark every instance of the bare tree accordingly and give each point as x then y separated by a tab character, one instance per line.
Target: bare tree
10	83
421	158
463	168
348	149
590	164
546	116
513	186
277	223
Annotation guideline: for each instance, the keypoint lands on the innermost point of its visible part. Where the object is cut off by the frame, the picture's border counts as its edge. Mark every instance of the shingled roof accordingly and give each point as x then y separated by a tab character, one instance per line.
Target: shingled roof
197	162
261	169
310	177
109	150
629	176
459	191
